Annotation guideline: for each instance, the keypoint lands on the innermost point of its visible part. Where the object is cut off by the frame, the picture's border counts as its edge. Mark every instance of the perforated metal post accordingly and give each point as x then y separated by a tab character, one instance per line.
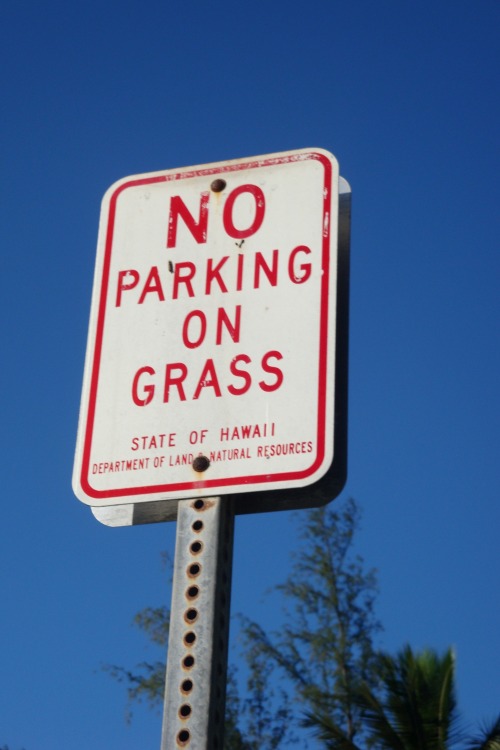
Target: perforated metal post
195	689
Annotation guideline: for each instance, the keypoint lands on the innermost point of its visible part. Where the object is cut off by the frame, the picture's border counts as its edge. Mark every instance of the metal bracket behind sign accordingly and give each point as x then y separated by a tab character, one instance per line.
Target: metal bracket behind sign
330	485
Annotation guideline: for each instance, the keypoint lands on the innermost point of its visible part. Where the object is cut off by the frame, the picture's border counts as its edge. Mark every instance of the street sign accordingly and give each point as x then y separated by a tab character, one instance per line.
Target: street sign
213	339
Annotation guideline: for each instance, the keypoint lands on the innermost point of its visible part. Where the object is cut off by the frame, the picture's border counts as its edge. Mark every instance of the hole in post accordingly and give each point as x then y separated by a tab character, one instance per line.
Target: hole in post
194	570
197	526
191	615
192	592
199	504
196	548
188	662
183	738
187	686
185	711
189	638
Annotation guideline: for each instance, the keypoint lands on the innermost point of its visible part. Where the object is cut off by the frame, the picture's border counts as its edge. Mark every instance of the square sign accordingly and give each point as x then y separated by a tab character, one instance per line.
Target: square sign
210	364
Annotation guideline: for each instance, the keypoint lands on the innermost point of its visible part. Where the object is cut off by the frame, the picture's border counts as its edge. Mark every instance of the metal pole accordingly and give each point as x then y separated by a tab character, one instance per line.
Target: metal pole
195	685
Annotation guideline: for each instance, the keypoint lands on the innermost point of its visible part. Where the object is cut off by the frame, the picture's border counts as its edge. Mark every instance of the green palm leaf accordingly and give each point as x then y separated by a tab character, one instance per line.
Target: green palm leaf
488	739
326	730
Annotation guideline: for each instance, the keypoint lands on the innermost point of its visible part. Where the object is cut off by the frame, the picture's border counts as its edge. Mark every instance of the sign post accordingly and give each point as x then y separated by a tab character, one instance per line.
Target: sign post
195	685
215	380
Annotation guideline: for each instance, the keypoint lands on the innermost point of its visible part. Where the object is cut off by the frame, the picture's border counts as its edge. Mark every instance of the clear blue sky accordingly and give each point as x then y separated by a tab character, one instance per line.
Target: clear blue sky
405	95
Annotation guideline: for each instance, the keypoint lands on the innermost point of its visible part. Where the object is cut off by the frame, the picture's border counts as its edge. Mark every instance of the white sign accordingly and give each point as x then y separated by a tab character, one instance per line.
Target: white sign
210	360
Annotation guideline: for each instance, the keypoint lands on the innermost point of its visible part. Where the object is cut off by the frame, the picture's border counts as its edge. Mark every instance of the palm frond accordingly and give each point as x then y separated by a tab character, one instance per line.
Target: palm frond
487	739
326	730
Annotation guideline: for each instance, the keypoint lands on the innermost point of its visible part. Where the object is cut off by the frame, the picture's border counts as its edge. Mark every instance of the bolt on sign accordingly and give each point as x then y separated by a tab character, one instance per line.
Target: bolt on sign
213	339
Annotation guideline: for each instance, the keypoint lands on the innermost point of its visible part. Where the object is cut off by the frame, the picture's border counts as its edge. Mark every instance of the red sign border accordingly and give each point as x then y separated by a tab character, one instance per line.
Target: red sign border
229	482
